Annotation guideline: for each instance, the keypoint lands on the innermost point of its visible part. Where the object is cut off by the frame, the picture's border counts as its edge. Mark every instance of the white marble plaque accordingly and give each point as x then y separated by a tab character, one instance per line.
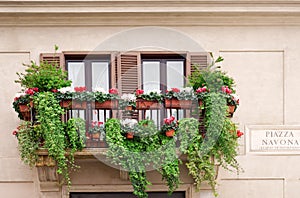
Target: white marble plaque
274	139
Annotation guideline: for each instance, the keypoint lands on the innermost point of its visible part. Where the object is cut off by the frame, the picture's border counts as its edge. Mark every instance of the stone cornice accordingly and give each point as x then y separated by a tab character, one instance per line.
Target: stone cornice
151	13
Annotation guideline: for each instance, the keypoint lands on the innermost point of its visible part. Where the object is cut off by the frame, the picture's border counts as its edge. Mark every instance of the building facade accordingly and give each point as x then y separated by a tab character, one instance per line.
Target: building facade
258	40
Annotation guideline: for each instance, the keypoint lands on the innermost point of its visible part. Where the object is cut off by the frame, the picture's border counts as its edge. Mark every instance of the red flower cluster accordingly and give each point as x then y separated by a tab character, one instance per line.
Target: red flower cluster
31	91
54	90
113	91
15	132
80	89
201	90
139	92
169	120
239	133
96	123
175	90
226	90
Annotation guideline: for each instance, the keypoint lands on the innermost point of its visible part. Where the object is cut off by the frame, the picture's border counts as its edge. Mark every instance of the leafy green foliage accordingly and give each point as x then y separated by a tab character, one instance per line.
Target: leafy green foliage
57	135
148	149
217	145
30	139
45	76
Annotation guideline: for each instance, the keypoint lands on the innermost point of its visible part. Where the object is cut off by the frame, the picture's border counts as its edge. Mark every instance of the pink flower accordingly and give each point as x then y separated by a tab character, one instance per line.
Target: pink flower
201	90
139	92
15	132
113	91
226	90
239	133
35	89
29	91
172	118
175	90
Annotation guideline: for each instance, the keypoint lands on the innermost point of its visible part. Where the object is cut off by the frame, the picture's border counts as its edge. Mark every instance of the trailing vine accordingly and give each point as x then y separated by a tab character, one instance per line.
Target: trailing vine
148	150
49	117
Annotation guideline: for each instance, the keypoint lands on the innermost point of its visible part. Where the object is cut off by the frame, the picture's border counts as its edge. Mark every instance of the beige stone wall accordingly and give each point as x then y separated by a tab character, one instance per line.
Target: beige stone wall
261	52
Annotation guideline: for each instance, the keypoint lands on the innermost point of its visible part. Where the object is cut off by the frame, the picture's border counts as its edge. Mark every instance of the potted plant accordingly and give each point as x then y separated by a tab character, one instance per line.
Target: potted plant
152	99
128	102
23	103
170	126
104	100
201	93
73	98
96	135
128	127
231	98
179	98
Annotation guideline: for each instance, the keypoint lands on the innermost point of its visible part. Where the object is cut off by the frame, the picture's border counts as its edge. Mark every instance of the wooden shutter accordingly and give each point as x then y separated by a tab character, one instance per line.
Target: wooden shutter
129	76
128	72
56	59
196	59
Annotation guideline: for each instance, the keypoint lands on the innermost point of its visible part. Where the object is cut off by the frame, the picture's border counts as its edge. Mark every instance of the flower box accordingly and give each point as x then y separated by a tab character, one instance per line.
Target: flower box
73	104
178	104
147	104
108	104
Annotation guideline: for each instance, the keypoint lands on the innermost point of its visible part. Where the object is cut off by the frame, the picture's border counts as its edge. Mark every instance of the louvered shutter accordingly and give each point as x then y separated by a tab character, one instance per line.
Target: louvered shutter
128	76
196	59
128	72
55	59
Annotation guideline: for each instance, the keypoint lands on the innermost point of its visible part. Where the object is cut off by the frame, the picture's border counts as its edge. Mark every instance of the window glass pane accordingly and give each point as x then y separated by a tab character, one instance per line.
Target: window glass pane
151	81
175	74
100	75
151	75
76	73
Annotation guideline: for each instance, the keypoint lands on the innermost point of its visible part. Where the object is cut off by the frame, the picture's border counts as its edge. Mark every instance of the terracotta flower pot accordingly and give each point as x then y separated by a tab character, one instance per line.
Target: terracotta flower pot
178	104
128	108
230	110
170	133
129	135
96	136
26	107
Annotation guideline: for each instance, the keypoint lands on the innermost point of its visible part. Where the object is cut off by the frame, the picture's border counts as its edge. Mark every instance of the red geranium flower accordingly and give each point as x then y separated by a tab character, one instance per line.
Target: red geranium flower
54	90
175	90
29	91
35	89
113	91
139	92
80	89
239	133
16	98
15	132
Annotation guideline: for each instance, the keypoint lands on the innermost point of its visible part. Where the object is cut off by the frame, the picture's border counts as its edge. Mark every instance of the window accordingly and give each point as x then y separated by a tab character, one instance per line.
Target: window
163	72
91	72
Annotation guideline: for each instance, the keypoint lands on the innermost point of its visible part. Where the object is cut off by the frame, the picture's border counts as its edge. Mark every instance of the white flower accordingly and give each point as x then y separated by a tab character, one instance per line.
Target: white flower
100	89
129	122
187	89
129	97
66	89
235	97
154	91
18	95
